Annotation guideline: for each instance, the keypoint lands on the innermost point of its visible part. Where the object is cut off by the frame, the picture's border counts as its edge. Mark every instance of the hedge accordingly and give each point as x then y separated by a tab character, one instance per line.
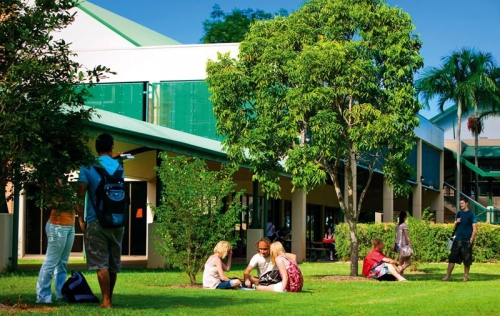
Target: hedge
428	240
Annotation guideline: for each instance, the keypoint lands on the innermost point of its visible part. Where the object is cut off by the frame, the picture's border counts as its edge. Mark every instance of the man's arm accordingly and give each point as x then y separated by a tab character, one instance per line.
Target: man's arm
81	191
247	277
474	232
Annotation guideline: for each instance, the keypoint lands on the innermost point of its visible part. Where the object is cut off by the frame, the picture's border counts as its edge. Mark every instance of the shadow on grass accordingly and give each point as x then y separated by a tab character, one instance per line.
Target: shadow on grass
422	275
163	301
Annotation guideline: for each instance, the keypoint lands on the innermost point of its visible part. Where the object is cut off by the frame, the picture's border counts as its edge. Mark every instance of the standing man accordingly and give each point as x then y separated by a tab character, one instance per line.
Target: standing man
103	246
461	250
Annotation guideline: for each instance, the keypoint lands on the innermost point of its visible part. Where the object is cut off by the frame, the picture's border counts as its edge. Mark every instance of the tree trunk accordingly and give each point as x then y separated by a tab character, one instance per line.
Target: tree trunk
459	154
354	246
192	278
476	132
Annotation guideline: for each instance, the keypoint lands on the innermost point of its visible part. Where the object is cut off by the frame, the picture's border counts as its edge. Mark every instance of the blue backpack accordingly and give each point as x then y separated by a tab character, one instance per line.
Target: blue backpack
112	200
77	290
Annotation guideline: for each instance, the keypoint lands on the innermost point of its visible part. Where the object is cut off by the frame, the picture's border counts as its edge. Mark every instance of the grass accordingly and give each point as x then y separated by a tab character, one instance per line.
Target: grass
327	291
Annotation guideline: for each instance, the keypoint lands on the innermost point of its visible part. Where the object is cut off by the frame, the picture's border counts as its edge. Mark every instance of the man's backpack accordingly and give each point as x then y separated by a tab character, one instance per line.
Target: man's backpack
77	290
112	200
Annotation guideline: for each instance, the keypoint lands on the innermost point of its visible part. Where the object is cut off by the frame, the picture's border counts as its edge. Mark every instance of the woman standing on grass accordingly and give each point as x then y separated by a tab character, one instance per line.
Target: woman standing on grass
213	274
60	231
402	240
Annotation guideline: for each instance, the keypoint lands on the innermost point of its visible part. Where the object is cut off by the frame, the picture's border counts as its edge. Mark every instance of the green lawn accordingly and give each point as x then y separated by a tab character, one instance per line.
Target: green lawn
327	291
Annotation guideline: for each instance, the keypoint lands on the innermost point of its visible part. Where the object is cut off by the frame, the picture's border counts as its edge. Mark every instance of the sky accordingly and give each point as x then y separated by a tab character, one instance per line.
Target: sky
443	25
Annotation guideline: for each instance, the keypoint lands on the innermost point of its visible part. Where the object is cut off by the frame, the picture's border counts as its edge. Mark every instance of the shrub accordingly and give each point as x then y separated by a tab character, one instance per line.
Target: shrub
428	240
190	217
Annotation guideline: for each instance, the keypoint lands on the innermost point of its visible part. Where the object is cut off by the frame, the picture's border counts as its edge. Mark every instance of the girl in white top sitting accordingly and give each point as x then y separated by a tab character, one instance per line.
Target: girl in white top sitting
213	275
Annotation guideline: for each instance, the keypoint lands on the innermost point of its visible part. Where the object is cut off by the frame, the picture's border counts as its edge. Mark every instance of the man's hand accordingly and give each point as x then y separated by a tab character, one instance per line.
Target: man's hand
248	283
82	223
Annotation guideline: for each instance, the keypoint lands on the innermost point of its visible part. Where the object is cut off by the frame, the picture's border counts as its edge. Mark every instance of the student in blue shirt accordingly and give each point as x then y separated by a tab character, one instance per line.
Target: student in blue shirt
103	246
461	250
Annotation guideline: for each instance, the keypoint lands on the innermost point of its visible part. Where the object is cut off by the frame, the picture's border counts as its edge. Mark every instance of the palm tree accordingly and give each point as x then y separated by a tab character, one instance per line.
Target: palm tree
462	78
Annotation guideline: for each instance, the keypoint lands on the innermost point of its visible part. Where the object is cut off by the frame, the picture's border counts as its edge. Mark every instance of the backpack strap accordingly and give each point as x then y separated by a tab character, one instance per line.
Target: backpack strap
102	173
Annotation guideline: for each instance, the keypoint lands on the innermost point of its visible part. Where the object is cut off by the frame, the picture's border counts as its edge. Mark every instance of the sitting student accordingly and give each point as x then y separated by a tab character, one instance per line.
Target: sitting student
377	266
291	275
329	240
213	274
261	260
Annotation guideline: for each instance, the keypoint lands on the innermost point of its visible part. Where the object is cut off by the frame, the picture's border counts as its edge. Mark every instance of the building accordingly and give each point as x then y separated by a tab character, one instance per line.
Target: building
158	101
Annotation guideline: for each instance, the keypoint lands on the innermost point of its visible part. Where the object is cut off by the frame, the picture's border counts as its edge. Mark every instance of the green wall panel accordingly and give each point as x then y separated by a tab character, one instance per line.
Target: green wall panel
124	98
185	106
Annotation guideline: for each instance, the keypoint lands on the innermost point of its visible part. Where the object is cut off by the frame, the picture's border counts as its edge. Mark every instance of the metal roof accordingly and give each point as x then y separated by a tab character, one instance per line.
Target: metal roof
133	32
153	136
483	152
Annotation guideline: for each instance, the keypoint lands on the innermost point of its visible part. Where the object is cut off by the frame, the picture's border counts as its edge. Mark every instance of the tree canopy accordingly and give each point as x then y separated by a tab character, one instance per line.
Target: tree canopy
42	135
319	92
231	27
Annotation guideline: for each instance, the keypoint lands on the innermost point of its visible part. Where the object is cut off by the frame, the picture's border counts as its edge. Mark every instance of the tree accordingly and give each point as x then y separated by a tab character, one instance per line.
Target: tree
462	78
190	217
232	27
326	89
42	133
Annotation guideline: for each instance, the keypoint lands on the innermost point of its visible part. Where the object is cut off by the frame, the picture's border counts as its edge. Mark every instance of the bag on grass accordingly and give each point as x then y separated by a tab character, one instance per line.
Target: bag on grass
77	290
270	277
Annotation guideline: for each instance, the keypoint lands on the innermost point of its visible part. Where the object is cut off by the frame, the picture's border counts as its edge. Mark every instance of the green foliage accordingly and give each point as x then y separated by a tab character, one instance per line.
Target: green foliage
428	240
232	27
191	218
42	131
324	89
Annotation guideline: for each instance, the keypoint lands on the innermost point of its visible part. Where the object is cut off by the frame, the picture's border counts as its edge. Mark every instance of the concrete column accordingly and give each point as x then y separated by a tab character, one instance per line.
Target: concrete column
439	207
417	192
388	203
299	225
253	236
6	221
21	245
154	259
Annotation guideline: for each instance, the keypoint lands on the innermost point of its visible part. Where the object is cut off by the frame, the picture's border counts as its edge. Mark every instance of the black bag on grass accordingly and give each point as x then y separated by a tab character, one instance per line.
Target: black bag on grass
77	290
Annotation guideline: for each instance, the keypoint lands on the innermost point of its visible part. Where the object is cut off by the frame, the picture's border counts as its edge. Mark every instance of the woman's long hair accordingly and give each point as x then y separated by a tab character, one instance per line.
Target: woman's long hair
276	250
402	217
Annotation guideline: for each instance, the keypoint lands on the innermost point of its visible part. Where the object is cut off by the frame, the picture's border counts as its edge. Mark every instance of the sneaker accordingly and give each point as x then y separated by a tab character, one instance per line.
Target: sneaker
247	288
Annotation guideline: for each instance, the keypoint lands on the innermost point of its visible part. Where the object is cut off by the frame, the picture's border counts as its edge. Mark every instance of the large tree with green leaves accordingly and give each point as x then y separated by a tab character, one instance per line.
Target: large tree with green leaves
42	117
231	27
463	78
326	89
191	218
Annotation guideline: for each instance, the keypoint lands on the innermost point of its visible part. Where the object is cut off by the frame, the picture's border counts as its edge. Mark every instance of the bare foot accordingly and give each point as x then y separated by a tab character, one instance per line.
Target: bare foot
403	280
105	306
465	279
446	279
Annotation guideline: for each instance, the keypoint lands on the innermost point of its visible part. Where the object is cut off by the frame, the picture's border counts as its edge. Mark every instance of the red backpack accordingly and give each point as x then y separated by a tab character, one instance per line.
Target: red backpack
295	279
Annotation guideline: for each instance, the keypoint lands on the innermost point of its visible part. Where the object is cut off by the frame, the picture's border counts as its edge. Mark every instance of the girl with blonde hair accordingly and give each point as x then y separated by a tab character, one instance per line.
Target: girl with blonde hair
213	274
